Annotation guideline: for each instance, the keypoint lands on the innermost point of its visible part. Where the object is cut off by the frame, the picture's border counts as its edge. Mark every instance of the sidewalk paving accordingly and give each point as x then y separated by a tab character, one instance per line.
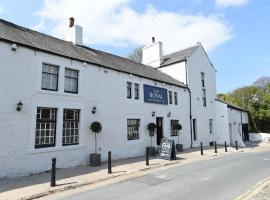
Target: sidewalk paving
38	185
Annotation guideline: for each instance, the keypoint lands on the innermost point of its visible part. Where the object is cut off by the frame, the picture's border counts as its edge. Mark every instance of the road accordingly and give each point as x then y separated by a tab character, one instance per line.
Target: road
223	178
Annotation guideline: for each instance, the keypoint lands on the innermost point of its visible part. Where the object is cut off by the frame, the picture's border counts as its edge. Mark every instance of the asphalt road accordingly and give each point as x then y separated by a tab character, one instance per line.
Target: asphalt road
222	178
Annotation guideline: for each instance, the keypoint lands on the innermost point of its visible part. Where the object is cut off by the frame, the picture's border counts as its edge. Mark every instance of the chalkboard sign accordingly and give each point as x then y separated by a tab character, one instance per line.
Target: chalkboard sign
167	149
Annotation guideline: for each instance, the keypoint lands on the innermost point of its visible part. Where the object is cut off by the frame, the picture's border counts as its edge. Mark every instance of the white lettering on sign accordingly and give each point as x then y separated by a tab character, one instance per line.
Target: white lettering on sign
156	94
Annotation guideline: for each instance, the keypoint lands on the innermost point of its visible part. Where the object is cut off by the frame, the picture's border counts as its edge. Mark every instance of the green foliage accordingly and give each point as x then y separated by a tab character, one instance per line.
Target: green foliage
178	127
151	126
256	99
96	127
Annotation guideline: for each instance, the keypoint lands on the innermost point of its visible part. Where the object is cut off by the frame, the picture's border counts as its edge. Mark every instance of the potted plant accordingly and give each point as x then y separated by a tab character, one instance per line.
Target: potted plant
178	127
151	127
95	158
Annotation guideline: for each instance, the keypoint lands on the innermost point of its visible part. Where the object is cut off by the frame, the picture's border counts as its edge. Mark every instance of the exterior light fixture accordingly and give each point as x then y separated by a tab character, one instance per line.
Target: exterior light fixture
19	106
169	114
153	114
94	110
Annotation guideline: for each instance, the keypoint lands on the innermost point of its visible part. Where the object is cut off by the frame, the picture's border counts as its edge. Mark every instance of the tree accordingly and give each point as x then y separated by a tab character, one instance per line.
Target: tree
96	128
136	54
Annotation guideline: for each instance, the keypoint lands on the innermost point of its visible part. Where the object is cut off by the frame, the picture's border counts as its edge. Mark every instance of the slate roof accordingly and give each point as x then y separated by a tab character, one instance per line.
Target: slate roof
178	56
229	105
26	37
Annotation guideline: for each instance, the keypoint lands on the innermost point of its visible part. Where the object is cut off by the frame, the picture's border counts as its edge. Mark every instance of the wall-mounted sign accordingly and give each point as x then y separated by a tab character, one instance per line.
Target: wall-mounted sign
155	94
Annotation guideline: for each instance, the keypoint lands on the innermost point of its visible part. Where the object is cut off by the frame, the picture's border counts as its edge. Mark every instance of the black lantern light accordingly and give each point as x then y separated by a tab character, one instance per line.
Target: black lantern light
94	110
169	114
19	106
153	114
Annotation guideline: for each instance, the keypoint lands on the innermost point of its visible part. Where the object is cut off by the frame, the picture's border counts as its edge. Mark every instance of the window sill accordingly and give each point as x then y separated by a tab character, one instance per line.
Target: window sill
54	149
57	93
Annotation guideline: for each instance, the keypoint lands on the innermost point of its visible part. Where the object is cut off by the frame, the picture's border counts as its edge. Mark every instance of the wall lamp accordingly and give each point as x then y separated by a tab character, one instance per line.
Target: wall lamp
19	106
94	110
169	114
153	114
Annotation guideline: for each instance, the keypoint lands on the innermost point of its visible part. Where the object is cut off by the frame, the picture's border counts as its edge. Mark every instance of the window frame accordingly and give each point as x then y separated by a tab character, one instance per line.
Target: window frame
77	81
211	126
204	97
173	131
175	98
39	146
137	125
203	79
170	97
137	91
57	76
74	121
129	90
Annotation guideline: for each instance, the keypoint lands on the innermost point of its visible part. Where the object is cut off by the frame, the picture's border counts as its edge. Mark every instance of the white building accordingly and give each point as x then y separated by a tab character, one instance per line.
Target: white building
64	86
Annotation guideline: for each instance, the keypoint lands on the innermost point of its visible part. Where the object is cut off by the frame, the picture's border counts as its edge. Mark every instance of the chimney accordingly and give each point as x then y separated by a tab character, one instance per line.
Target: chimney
152	54
74	33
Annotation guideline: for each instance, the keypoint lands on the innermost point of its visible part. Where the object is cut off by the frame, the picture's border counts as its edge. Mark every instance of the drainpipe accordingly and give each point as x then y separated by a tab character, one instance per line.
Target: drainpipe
190	113
190	118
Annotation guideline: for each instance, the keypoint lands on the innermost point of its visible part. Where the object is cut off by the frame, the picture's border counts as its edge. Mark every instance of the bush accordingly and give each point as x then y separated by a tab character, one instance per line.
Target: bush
96	127
151	126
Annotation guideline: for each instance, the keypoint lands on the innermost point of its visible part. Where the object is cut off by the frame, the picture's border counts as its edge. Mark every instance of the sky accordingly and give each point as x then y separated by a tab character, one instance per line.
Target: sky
234	33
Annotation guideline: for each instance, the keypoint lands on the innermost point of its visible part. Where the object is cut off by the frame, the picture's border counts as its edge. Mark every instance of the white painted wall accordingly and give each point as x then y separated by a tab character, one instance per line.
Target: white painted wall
20	79
198	62
235	121
152	54
177	71
258	137
222	124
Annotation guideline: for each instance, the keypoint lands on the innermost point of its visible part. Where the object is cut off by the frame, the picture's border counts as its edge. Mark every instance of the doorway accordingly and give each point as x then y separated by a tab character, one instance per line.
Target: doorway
159	122
245	132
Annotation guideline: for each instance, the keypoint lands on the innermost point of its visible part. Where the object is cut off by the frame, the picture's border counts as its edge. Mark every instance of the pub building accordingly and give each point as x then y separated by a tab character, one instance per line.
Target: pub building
52	90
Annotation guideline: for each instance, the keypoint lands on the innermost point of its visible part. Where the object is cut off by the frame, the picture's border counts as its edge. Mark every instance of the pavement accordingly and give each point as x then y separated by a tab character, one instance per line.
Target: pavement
85	177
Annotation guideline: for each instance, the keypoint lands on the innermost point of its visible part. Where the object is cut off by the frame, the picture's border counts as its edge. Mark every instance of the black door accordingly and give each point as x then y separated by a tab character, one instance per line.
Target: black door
159	123
245	132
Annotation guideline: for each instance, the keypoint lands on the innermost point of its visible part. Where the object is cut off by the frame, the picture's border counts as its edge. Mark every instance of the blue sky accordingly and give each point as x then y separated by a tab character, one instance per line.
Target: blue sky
235	33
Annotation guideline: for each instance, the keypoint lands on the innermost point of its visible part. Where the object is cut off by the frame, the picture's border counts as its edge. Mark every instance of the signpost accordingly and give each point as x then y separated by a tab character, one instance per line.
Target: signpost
167	149
155	95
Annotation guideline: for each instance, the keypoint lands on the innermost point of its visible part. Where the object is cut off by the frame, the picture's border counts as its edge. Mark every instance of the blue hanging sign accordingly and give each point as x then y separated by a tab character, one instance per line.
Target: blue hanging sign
155	95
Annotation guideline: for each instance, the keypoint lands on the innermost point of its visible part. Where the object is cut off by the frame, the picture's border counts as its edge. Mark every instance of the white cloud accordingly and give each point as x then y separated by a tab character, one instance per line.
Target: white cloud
115	23
227	3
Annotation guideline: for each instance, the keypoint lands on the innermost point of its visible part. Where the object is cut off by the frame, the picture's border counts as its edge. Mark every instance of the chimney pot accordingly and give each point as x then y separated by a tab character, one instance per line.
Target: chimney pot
71	22
153	39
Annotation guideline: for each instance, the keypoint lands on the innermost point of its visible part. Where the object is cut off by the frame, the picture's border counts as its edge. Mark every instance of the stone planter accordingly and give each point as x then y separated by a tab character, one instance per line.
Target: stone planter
179	147
95	160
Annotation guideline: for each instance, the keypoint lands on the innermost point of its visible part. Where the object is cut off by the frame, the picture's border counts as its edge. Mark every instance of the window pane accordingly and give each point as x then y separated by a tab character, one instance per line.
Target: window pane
70	127
45	127
133	129
49	77
71	81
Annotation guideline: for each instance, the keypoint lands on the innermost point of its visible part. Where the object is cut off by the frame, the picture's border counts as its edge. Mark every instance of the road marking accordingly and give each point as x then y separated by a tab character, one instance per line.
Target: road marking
266	159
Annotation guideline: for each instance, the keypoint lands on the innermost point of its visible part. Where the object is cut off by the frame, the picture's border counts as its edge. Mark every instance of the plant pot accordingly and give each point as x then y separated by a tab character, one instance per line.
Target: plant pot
179	147
152	151
95	160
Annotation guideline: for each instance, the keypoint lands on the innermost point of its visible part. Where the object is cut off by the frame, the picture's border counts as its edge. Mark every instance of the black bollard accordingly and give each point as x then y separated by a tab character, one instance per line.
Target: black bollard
236	145
109	162
53	172
215	147
201	148
225	146
147	156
